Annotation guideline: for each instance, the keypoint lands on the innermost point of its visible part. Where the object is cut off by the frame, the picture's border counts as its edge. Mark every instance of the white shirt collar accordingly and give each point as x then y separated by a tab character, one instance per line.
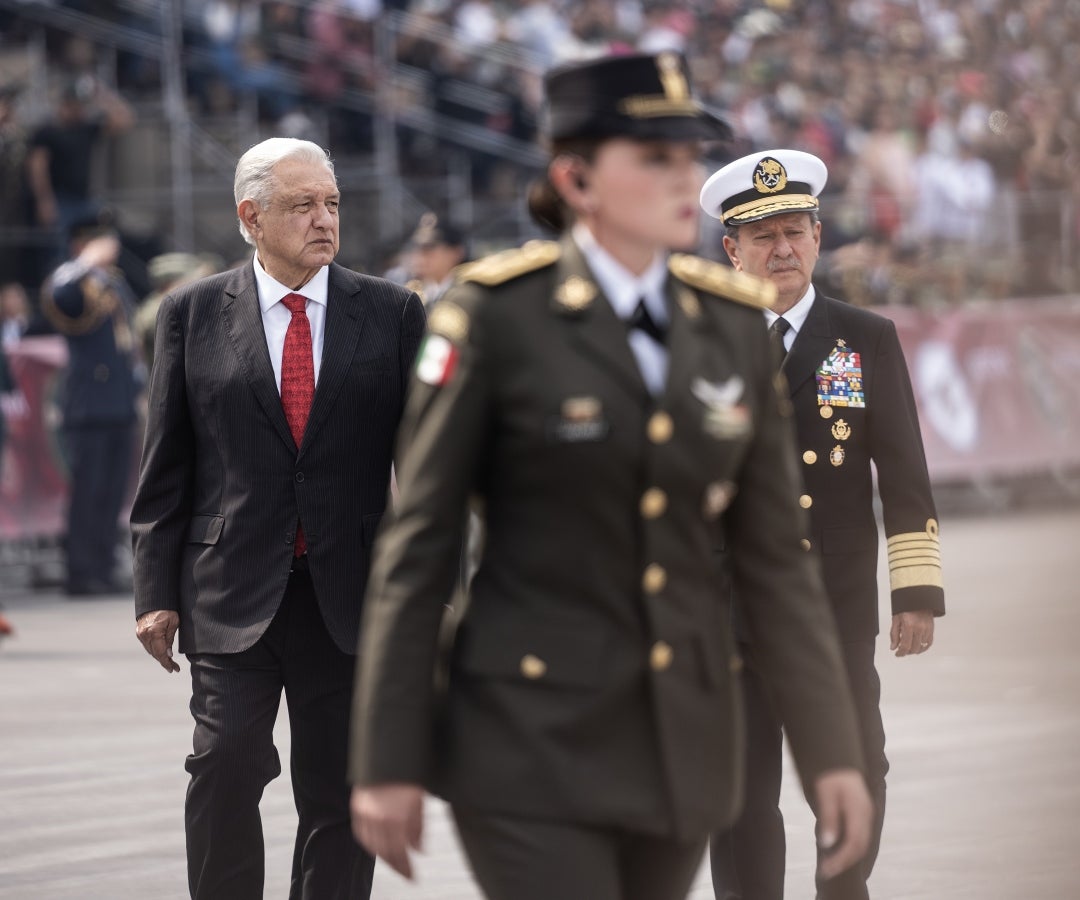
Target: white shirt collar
271	290
796	316
622	288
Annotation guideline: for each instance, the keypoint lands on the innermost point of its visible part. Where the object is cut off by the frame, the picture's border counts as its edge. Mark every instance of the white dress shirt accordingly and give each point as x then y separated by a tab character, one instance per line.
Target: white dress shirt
623	290
276	316
796	316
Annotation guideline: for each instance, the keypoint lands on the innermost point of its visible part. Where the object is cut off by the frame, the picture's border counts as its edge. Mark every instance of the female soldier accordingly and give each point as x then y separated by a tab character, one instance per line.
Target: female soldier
613	410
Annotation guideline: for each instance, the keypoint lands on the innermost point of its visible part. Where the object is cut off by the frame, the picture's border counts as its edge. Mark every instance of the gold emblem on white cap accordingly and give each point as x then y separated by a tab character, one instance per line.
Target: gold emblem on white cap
770	176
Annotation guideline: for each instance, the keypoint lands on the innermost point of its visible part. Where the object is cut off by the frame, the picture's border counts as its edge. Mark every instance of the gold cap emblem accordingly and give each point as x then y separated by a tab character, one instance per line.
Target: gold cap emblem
770	176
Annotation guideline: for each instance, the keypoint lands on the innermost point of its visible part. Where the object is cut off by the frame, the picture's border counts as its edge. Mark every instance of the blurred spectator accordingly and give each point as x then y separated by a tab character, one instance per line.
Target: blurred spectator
16	218
89	302
437	248
62	152
168	272
14	313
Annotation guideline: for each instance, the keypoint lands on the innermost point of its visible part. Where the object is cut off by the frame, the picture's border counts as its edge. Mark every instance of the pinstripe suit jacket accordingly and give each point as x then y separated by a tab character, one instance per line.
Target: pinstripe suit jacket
222	483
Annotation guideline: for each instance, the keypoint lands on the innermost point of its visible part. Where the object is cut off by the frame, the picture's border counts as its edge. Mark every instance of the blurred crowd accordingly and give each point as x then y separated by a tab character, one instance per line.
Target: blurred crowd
949	130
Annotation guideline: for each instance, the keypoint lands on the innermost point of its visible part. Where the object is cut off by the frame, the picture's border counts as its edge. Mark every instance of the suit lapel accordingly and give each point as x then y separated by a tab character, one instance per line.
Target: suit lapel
243	320
593	326
814	342
344	322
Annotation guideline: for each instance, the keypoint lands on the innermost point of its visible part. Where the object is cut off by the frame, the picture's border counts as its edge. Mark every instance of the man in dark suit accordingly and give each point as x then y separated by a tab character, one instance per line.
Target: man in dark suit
274	406
89	302
853	405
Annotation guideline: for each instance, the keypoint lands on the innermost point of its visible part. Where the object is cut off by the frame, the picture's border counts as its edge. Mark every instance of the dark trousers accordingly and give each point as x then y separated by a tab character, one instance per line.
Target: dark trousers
530	859
748	860
235	699
99	457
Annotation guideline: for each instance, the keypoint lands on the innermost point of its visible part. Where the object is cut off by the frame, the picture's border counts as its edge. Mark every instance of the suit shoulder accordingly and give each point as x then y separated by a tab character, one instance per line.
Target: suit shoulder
722	281
500	268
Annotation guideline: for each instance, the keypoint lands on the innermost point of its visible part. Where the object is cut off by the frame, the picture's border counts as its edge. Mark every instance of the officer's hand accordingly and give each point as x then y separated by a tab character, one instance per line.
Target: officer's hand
912	632
156	630
844	819
388	819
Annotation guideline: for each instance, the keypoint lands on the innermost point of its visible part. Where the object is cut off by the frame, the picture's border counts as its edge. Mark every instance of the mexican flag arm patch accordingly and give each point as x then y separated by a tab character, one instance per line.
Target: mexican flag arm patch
437	360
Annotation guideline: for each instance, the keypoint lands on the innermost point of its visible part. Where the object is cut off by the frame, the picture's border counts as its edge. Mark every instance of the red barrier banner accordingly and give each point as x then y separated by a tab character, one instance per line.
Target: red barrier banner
33	474
996	385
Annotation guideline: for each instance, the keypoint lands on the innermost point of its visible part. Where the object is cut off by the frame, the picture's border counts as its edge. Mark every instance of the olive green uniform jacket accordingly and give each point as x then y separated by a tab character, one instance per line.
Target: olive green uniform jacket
593	676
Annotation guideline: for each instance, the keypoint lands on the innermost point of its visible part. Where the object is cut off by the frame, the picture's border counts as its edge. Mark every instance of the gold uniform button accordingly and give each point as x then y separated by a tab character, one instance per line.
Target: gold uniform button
533	666
805	544
806	501
660	428
661	656
653	503
654	579
809	457
826	412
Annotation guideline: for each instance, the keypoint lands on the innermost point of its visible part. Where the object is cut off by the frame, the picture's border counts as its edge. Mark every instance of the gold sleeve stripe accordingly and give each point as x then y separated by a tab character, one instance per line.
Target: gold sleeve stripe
914	560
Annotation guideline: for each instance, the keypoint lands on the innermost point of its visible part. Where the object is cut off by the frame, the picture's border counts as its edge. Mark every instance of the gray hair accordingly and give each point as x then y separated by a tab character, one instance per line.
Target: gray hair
254	179
732	231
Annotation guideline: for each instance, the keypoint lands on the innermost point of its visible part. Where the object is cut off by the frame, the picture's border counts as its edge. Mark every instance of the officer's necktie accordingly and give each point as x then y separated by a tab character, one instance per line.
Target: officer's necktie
297	381
776	336
641	320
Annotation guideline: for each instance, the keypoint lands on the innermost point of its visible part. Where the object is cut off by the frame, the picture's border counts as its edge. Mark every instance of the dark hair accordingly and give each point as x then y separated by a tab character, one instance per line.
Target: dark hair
546	206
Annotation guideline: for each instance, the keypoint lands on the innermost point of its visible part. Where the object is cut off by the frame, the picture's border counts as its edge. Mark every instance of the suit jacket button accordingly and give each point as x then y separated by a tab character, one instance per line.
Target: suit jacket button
654	579
806	501
533	667
735	664
805	544
661	656
101	372
299	477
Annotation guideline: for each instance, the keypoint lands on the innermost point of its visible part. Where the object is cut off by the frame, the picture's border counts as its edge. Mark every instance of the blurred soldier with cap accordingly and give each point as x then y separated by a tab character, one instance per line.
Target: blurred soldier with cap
167	272
849	386
89	302
437	249
613	407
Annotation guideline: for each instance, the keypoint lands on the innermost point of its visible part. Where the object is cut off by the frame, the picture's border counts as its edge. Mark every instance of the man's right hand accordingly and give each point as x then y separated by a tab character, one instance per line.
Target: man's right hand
156	630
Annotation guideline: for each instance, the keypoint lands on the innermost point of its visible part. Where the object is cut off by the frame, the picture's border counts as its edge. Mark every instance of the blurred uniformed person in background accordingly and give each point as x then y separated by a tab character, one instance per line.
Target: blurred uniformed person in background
89	302
436	249
167	272
853	404
614	406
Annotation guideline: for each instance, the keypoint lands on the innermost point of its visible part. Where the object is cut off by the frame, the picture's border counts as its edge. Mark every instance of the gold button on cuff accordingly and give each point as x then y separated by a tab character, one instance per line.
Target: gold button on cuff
660	428
660	656
809	457
533	666
806	501
653	503
805	544
654	579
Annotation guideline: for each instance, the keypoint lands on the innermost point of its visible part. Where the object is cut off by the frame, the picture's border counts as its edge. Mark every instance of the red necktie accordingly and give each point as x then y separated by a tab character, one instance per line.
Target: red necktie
297	381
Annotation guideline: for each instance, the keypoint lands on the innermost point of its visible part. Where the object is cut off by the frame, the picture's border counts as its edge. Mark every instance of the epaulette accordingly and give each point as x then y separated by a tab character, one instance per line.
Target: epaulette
722	280
509	264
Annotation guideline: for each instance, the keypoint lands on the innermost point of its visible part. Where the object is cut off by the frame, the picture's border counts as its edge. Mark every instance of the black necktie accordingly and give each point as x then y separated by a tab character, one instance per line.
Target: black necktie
776	336
641	320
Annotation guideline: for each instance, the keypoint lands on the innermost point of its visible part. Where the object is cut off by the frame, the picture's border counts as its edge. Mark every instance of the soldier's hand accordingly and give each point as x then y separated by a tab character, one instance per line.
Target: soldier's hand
388	819
100	252
912	632
844	819
156	630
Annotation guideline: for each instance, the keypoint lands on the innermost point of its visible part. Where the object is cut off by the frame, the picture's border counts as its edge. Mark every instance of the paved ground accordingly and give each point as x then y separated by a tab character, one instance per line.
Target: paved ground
984	735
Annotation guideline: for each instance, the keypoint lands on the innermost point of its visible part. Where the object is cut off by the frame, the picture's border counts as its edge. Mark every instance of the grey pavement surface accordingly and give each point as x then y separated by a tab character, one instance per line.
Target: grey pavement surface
984	740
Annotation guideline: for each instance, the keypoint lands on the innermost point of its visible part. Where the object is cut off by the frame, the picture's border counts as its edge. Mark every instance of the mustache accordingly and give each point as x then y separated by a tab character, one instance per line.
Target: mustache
790	262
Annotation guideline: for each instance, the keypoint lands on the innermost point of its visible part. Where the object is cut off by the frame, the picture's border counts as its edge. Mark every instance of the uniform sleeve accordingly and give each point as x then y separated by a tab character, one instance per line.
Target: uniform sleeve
413	320
787	613
417	556
896	446
161	508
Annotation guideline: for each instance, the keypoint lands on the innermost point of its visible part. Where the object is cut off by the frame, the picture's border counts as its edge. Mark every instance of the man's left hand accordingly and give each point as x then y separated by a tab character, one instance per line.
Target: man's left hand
912	633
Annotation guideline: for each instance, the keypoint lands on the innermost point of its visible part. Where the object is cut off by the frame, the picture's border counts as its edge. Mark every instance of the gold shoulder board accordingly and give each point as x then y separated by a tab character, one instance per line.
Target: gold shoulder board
502	267
722	280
